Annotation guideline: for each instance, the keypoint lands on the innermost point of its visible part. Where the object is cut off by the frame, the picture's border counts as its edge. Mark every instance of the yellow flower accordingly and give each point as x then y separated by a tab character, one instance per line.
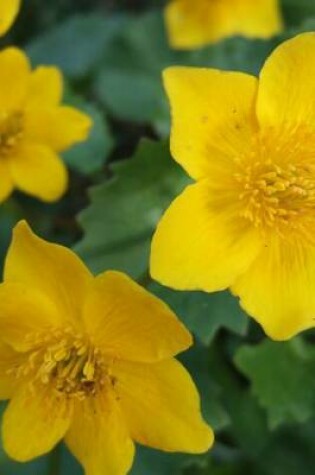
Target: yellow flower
249	221
34	128
8	12
194	23
91	360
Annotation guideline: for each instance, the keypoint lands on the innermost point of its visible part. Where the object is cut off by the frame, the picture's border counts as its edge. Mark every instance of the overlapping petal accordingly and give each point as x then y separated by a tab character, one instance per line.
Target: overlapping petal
213	118
278	290
286	94
53	270
24	311
57	127
38	171
99	438
14	78
201	242
126	321
161	406
45	87
10	360
34	422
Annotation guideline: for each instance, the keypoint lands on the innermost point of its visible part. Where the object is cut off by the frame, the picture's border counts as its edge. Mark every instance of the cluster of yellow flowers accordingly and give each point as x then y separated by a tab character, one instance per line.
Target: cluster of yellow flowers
91	359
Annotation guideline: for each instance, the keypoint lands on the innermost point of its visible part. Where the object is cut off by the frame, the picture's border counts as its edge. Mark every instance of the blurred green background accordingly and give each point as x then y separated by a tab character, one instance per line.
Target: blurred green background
258	395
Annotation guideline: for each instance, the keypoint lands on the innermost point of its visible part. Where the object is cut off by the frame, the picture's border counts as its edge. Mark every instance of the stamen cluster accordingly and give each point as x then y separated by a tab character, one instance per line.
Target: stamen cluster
11	131
66	361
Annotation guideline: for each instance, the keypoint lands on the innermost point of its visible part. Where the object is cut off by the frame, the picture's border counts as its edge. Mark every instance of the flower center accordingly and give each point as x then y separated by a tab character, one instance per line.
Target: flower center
279	192
69	363
274	194
11	131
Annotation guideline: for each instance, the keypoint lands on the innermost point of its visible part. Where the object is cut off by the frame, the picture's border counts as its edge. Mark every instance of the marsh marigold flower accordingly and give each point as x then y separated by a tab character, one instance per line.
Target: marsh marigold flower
90	359
34	128
8	12
194	23
249	221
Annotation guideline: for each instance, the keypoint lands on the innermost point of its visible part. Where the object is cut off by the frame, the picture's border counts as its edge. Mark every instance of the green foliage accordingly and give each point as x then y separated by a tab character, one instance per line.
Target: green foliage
282	379
119	223
76	45
205	314
10	214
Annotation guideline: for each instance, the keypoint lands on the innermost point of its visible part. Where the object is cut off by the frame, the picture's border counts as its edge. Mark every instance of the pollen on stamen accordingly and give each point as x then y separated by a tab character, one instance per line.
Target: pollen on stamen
279	195
69	363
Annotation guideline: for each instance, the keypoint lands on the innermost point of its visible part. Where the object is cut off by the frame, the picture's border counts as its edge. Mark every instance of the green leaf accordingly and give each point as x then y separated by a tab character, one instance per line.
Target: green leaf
248	429
289	451
76	45
205	314
297	11
10	214
196	360
124	211
154	462
130	83
282	379
134	96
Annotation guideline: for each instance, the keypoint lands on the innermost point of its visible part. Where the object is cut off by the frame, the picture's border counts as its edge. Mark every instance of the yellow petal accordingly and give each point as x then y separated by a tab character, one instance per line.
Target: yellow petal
278	289
6	183
128	322
9	360
34	422
99	439
45	88
258	19
212	117
194	24
57	127
25	311
8	12
14	77
39	172
161	405
201	242
286	93
53	270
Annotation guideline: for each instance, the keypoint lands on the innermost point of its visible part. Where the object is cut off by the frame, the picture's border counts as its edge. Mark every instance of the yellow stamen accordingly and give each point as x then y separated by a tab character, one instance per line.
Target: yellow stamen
279	192
11	131
66	361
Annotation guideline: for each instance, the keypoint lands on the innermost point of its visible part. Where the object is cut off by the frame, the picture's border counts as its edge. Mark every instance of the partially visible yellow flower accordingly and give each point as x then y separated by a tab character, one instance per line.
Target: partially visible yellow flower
8	13
195	23
90	359
34	128
249	221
